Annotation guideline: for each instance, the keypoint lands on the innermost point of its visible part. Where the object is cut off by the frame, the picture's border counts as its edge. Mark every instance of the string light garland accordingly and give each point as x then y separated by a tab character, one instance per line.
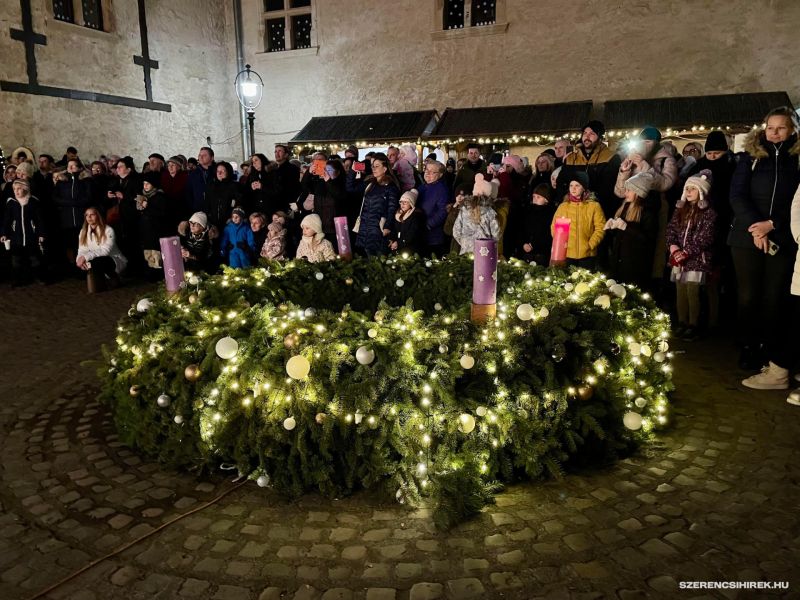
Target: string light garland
392	387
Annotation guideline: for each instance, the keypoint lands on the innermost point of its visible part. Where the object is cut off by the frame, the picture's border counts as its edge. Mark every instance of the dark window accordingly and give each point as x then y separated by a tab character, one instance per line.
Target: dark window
63	10
483	12
92	14
276	35
270	5
453	17
301	31
300	3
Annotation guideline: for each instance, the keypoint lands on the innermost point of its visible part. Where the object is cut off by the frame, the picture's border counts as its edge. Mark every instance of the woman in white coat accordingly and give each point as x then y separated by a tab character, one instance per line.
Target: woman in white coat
98	253
794	397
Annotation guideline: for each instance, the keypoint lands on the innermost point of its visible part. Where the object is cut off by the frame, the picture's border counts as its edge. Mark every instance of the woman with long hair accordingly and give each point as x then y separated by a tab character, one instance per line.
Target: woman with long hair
381	194
222	196
255	186
98	253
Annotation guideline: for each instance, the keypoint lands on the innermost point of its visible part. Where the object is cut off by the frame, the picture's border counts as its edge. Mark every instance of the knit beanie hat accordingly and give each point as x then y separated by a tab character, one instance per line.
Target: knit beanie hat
702	182
596	126
640	184
177	160
650	133
551	152
411	195
200	218
313	221
716	142
543	190
515	162
158	156
409	152
279	217
581	177
485	188
153	178
239	211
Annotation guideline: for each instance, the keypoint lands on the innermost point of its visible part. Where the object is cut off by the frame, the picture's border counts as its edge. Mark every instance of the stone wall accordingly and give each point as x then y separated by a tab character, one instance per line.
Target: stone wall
193	42
377	56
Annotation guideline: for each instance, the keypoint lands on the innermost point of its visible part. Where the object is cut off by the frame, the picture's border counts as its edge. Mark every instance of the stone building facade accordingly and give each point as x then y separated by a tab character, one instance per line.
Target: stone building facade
361	56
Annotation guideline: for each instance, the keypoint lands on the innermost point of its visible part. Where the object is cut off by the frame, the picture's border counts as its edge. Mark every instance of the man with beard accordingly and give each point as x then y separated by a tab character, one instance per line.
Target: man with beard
283	182
593	156
473	166
200	178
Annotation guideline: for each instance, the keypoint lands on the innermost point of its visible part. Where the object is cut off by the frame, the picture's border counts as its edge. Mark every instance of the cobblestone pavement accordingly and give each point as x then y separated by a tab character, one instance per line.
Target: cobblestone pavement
715	499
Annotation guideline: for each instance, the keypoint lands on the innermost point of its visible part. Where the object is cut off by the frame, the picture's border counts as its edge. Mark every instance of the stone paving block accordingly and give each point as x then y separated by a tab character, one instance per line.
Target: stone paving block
194	588
408	570
664	584
354	553
381	594
337	594
209	565
578	541
342	534
232	592
426	591
377	571
323	551
393	551
475	564
656	547
511	558
339	573
271	593
496	540
237	568
505	580
288	552
124	576
376	535
427	545
253	550
465	588
306	592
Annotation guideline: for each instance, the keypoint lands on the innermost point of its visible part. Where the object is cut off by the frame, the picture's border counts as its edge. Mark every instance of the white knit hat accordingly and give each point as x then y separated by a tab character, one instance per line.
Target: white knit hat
485	188
702	181
313	221
411	195
200	218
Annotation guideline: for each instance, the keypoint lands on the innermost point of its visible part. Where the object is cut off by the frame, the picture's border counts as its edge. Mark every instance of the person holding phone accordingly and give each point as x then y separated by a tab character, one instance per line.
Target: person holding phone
762	246
380	200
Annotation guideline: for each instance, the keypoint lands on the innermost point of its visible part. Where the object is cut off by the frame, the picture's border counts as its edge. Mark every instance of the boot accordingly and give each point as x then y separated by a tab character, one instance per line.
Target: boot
113	281
92	283
772	377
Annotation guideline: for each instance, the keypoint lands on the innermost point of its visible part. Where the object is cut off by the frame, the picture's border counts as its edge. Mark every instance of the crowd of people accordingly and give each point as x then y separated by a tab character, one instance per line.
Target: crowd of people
697	229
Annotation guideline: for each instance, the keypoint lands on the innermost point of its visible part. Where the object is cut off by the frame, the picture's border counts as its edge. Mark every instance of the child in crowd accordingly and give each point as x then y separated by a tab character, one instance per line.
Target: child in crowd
258	224
477	218
586	222
237	241
313	245
98	253
633	231
274	246
408	226
197	247
535	239
690	238
23	232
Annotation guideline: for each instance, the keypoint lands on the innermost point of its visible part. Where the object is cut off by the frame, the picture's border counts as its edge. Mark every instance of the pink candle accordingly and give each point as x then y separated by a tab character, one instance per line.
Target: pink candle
173	263
343	237
484	274
558	254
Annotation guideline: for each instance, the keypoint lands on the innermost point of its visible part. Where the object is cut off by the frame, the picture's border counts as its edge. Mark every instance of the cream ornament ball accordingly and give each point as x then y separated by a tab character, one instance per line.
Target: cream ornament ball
646	351
635	348
144	305
603	301
481	411
365	355
163	401
227	348
544	313
632	420
618	290
289	423
659	357
194	280
466	423
582	288
640	402
319	276
663	346
298	367
437	307
525	312
178	419
399	283
262	481
467	362
568	286
372	333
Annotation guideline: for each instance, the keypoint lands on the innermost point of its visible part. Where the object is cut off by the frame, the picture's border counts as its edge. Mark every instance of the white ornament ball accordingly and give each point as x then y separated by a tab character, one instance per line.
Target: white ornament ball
437	307
663	346
358	417
227	348
611	282
428	263
582	288
178	419
194	280
467	362
289	423
481	411
618	290
659	357
144	305
466	423
399	283
310	312
632	420
373	333
400	495
568	286
365	355
319	276
163	401
365	289
603	301
635	348
544	313
640	402
263	480
646	351
298	367
525	312
442	349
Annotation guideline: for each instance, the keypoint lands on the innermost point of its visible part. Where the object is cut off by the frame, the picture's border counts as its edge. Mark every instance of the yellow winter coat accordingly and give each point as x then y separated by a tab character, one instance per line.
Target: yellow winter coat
586	227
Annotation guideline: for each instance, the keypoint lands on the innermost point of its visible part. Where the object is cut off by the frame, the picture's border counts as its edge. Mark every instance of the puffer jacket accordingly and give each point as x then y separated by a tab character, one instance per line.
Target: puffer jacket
379	206
795	225
237	244
696	238
664	169
23	223
72	197
466	230
762	188
586	226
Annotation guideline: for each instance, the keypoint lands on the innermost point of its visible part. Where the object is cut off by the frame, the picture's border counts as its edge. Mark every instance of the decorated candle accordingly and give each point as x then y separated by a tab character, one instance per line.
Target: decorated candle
558	254
484	274
343	237
173	263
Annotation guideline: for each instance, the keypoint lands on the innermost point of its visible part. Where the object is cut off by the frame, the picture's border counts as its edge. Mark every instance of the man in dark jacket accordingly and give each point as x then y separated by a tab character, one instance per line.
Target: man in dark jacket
200	178
283	182
473	166
72	196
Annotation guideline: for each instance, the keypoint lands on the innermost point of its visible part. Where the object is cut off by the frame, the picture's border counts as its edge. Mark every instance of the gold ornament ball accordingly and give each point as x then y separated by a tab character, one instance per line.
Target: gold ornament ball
379	316
291	340
320	418
192	298
283	307
585	392
192	372
135	389
349	281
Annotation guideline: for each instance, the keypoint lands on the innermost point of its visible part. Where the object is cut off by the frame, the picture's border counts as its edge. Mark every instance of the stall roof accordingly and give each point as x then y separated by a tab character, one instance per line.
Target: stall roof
400	126
526	119
732	110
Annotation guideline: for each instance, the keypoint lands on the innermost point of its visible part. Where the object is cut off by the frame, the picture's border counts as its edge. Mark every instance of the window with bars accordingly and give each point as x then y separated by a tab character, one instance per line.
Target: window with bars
87	13
457	14
289	25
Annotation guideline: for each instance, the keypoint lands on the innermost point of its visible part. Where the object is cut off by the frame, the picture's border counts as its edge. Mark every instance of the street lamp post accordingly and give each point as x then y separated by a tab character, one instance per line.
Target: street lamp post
249	91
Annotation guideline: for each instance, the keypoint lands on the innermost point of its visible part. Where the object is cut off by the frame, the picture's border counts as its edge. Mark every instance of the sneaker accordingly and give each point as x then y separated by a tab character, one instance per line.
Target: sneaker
794	398
690	334
679	330
772	377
